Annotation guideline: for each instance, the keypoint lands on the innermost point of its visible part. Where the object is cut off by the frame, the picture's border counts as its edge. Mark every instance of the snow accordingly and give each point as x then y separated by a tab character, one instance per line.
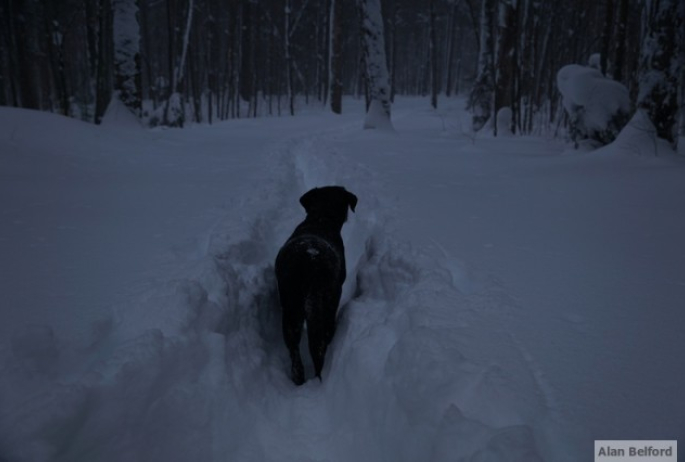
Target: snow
506	299
639	137
504	116
594	61
119	116
126	48
595	104
377	117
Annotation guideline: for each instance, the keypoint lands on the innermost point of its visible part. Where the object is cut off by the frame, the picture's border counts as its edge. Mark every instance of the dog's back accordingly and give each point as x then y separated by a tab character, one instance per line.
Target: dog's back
309	262
310	269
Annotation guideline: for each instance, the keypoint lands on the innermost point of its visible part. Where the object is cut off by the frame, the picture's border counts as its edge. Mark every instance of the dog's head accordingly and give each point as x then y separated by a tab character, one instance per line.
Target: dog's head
329	201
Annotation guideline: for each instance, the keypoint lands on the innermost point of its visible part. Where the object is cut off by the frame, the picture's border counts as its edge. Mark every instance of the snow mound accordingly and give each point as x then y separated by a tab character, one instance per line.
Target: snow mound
377	118
594	61
639	137
197	370
118	116
598	107
504	116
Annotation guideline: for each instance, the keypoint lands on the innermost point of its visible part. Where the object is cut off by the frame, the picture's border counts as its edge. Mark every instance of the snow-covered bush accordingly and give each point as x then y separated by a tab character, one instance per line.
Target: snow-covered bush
504	116
660	63
597	107
175	113
594	61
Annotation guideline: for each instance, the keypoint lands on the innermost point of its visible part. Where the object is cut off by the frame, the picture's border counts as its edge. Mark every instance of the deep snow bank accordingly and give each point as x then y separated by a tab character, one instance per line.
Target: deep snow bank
193	368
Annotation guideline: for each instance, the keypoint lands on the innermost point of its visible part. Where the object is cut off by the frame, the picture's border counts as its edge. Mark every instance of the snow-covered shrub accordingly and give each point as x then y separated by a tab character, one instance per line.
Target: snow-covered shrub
504	116
660	63
377	117
597	107
175	113
594	61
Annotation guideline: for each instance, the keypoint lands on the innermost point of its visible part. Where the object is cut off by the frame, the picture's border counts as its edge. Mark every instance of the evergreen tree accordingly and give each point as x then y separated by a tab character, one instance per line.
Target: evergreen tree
659	65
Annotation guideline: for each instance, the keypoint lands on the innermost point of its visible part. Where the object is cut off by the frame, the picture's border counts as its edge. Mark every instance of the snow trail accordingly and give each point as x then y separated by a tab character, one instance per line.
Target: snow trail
422	367
389	316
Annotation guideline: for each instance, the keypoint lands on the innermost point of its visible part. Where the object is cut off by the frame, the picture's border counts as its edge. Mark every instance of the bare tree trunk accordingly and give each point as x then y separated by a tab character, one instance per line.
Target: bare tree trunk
373	42
288	58
10	37
435	77
335	66
323	52
55	43
103	80
506	59
482	93
621	40
174	113
539	68
194	79
251	81
681	88
127	75
148	88
27	42
607	35
236	63
393	54
450	47
457	79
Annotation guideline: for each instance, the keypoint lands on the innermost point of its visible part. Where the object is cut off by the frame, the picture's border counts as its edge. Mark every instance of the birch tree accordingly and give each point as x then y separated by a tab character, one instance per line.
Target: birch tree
103	60
126	33
506	68
373	47
335	56
215	56
435	77
481	98
174	113
450	48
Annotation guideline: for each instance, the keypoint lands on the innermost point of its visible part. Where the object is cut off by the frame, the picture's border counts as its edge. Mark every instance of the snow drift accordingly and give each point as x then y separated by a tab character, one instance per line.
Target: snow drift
433	359
597	106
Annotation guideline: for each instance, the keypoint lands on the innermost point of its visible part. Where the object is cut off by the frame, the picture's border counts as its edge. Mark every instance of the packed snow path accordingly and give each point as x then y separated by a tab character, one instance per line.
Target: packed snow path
503	302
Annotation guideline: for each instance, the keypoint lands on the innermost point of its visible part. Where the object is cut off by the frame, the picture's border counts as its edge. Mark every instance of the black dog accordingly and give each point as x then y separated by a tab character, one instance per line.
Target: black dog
310	269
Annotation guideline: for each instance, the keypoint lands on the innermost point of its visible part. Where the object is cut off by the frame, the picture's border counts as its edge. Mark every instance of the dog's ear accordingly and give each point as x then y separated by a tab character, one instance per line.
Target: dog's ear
307	199
351	200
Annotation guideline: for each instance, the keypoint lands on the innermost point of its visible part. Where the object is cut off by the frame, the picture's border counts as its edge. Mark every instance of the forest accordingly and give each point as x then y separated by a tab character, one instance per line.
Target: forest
174	62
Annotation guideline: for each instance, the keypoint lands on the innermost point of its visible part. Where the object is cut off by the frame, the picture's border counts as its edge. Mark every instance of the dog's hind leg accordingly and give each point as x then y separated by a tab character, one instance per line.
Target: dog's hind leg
293	322
321	328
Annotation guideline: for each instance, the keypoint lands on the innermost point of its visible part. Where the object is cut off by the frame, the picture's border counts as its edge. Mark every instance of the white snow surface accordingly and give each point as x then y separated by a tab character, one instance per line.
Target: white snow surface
599	97
506	299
